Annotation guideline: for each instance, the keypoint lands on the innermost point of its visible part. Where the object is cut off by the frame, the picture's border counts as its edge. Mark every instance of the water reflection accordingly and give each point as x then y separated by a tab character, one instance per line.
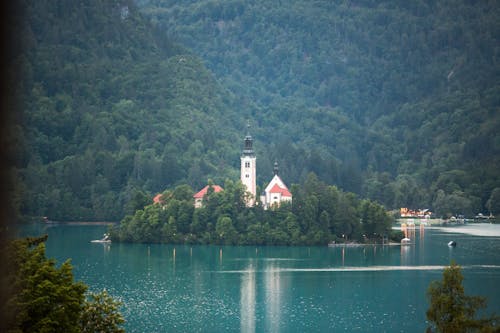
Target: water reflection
272	280
247	300
405	255
408	250
273	291
421	244
173	260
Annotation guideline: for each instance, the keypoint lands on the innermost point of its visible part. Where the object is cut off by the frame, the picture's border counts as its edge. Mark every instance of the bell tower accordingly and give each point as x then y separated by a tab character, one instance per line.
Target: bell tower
248	168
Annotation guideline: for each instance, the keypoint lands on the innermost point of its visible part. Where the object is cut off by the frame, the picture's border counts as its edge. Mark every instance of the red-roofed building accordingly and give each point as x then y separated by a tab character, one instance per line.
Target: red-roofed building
282	191
158	199
198	197
276	192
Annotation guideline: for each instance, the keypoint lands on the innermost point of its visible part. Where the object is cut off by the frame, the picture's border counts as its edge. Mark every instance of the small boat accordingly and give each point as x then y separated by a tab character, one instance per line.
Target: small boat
104	239
406	241
452	243
47	221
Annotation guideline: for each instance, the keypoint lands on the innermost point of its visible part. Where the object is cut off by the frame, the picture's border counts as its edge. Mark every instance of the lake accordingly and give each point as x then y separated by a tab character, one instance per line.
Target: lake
167	288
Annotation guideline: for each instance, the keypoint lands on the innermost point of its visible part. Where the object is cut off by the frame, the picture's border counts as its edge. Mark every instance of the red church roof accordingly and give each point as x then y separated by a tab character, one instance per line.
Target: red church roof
158	198
277	189
204	191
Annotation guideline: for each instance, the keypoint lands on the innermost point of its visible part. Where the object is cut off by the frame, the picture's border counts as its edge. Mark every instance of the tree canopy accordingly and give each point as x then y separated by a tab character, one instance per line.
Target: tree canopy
396	102
451	310
390	100
38	296
320	213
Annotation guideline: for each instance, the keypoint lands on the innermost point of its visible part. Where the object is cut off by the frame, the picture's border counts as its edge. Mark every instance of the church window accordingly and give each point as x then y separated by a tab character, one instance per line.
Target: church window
247	164
247	175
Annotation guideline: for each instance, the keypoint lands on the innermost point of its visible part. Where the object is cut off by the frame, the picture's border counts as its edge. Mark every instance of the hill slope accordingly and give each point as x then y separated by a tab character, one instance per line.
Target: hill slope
394	101
110	108
397	101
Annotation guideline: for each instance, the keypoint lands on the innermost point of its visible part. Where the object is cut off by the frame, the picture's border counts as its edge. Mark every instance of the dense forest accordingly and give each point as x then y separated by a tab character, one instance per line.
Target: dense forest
393	100
114	101
110	108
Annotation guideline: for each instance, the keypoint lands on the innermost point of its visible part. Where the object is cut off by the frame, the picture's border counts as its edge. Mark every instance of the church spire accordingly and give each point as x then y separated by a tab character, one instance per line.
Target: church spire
248	168
275	169
248	148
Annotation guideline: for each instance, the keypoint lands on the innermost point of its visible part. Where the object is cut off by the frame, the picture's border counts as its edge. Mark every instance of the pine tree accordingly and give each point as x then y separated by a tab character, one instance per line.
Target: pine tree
451	311
40	297
100	314
43	298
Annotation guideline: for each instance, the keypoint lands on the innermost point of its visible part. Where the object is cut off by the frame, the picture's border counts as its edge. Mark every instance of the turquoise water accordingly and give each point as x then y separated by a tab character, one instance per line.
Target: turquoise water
168	288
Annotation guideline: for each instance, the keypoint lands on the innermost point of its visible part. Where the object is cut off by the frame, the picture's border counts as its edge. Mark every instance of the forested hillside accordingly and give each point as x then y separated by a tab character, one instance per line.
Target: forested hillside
397	101
111	110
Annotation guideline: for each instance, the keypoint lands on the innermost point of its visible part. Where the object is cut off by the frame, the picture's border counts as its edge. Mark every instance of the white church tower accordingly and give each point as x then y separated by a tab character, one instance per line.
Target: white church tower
248	169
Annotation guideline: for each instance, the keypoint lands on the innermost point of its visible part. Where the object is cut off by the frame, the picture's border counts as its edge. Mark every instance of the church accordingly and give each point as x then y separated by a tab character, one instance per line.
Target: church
275	192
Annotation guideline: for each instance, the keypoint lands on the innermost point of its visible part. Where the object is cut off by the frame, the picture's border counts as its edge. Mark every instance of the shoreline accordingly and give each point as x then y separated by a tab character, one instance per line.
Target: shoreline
441	222
363	244
77	222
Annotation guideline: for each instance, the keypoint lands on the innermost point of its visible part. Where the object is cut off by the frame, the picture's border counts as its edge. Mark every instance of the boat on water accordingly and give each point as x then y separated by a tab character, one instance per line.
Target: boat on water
48	221
406	241
104	239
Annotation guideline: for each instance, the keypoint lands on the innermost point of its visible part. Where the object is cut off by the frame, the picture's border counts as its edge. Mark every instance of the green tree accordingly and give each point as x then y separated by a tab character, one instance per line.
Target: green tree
226	231
101	314
138	201
493	203
200	220
375	221
255	234
451	311
183	193
456	203
44	298
346	223
293	228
